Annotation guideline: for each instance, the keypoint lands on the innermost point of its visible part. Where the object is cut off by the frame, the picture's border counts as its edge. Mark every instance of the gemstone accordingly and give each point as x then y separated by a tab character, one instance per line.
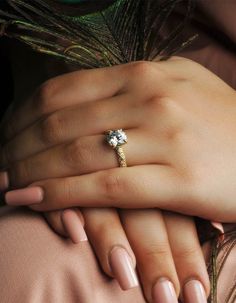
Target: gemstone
116	138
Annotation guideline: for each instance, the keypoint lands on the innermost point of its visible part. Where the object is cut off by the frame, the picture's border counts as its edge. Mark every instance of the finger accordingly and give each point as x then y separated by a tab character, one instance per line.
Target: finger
53	219
111	246
70	123
86	155
62	220
144	186
188	257
130	187
64	91
148	238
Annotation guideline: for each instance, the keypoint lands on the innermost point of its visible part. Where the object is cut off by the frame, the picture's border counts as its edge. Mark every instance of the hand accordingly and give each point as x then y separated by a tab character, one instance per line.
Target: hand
164	245
195	268
180	121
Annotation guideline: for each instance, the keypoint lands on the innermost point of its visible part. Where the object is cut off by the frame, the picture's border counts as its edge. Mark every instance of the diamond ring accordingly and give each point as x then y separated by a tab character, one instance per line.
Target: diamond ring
117	138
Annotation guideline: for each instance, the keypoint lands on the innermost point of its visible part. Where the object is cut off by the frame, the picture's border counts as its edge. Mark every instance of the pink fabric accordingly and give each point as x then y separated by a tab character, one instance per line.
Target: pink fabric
38	266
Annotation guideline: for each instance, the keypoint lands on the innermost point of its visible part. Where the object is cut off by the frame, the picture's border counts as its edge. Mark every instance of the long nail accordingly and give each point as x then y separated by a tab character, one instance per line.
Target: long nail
73	226
122	268
163	292
25	196
194	292
4	181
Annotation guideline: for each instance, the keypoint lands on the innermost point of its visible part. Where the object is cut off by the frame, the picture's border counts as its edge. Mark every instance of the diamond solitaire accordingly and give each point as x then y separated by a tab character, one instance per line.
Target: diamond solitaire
116	138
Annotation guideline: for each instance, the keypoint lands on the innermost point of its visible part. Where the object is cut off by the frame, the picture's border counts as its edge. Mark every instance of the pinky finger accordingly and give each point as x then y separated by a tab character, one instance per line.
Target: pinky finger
67	223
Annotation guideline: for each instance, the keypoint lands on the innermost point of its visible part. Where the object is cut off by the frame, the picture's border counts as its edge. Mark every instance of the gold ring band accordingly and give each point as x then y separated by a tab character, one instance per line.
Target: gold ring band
121	156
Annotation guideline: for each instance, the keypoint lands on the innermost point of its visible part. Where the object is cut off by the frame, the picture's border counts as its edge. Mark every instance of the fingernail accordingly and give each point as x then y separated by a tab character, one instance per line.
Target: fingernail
163	292
25	196
73	226
4	181
194	292
123	269
218	226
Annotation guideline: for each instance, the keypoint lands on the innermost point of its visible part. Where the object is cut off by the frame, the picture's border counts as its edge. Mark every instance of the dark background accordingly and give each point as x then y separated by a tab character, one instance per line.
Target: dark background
6	82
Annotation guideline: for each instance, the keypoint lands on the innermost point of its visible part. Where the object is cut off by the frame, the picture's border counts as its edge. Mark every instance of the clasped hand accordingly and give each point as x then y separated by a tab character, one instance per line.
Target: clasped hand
180	120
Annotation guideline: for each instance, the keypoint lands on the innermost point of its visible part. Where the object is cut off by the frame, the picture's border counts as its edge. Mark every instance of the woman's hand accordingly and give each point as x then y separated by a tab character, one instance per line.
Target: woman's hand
191	268
180	122
164	246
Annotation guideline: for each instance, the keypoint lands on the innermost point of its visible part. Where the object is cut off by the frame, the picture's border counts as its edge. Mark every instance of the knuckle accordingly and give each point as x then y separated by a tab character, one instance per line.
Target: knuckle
113	186
77	154
181	60
158	252
44	94
168	110
50	129
159	256
67	189
142	69
162	105
187	253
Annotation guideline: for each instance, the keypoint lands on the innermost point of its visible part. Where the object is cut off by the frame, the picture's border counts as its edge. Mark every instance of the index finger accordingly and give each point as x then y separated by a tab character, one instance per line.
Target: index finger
64	91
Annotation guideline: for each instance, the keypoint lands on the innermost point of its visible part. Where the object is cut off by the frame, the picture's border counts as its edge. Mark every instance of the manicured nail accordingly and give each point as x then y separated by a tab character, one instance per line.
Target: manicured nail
4	181
218	226
194	292
73	226
122	268
25	196
163	292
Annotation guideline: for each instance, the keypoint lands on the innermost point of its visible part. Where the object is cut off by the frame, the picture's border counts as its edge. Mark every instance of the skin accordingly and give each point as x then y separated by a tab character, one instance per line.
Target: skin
184	117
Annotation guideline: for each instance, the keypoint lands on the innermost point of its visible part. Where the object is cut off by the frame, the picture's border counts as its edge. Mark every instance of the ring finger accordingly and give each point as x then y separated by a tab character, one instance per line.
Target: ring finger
85	155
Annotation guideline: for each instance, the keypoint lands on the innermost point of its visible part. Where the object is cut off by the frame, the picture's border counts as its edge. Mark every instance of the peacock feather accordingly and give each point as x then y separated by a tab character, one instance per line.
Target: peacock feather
119	32
223	249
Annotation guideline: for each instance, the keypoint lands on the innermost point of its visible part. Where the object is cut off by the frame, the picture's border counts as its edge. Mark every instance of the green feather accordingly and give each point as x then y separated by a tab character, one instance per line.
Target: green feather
121	32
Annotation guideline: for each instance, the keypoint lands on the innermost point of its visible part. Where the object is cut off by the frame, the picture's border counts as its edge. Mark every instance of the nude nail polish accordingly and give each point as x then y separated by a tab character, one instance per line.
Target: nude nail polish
4	181
218	226
194	292
163	292
73	226
122	268
25	196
